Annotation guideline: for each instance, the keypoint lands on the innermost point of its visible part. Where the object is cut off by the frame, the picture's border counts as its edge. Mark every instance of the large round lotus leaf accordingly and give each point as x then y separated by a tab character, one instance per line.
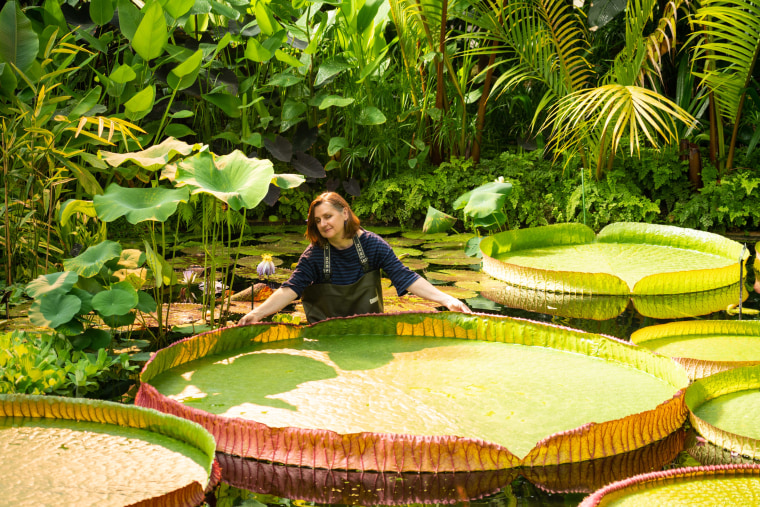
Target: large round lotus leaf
61	282
239	181
114	301
54	309
139	204
418	392
704	347
153	158
67	451
625	258
92	260
723	409
729	485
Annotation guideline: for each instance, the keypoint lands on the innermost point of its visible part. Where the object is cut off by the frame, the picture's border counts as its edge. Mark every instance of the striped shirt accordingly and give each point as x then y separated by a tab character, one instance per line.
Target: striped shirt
345	266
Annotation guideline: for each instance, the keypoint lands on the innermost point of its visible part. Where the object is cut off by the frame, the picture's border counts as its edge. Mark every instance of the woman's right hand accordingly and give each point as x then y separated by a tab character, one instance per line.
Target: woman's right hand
249	318
281	298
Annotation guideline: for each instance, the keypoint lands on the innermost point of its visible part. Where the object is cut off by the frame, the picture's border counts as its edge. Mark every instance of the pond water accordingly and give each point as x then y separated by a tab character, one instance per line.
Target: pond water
247	482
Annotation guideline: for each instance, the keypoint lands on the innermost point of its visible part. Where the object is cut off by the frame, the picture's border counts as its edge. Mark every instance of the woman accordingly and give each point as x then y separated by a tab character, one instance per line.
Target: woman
339	273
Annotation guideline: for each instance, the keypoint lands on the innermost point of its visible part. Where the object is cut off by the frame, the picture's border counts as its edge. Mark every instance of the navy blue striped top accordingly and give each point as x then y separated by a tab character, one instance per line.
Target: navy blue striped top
346	268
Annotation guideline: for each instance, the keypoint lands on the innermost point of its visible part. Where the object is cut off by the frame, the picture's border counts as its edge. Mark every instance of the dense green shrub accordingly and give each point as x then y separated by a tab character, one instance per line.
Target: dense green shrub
32	363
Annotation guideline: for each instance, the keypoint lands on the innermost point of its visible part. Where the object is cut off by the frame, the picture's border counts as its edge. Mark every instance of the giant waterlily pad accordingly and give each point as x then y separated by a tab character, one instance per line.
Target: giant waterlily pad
624	258
603	307
67	451
418	392
723	408
726	485
704	347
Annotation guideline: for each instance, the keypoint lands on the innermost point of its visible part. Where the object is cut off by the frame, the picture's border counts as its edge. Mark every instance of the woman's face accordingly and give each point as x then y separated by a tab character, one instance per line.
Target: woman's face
329	220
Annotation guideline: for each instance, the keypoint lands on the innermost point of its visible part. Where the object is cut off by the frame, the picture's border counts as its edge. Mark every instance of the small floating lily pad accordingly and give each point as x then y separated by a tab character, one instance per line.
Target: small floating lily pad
704	347
415	264
404	242
71	451
411	252
423	392
450	257
727	485
624	258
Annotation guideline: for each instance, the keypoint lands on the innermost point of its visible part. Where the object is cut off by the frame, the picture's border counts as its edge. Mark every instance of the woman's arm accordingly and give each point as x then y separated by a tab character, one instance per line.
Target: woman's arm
425	289
281	298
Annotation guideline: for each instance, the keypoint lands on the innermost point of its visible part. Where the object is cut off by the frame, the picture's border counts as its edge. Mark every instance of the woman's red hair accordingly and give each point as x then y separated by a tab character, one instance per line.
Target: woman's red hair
339	203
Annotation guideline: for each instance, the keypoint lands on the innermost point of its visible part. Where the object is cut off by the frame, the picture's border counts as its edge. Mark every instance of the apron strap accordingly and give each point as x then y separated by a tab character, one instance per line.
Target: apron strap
326	271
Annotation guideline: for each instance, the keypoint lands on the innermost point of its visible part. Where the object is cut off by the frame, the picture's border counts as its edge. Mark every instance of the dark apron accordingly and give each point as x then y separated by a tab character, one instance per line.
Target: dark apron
325	300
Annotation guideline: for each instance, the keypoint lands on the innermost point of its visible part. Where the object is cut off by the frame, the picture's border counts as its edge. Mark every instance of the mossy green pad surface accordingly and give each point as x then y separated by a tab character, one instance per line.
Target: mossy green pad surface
708	347
504	393
691	492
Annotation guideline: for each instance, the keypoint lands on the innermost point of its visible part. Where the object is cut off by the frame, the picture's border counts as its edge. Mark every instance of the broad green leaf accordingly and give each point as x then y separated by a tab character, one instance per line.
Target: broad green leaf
287	58
484	200
146	303
114	302
72	206
178	8
19	43
129	18
90	262
370	115
139	204
336	144
254	51
86	104
53	309
151	34
52	15
437	221
61	282
162	270
284	80
140	104
329	70
101	11
239	181
325	101
229	104
491	381
153	158
286	181
184	75
123	74
105	448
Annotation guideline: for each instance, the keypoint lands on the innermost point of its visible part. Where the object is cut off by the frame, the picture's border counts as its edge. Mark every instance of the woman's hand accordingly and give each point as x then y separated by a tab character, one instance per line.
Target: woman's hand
425	289
455	305
281	298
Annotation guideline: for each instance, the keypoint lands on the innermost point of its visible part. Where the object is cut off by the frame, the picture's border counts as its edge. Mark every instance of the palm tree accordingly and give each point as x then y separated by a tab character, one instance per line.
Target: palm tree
588	113
728	42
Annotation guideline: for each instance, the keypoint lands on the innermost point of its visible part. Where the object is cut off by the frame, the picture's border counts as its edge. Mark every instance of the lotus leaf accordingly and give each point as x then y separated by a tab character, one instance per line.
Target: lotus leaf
91	261
91	339
625	258
53	309
485	200
391	392
139	204
72	206
61	281
729	485
704	347
239	181
437	221
116	301
723	409
153	158
67	451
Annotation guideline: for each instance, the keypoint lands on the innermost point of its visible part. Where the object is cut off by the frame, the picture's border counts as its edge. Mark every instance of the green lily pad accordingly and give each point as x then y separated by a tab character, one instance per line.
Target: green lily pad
415	264
624	258
460	392
91	261
404	242
435	236
383	230
450	257
704	347
457	275
723	409
693	486
411	252
67	451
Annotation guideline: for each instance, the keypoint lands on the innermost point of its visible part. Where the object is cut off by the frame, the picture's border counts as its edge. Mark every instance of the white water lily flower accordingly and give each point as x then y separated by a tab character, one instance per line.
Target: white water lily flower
266	266
500	179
